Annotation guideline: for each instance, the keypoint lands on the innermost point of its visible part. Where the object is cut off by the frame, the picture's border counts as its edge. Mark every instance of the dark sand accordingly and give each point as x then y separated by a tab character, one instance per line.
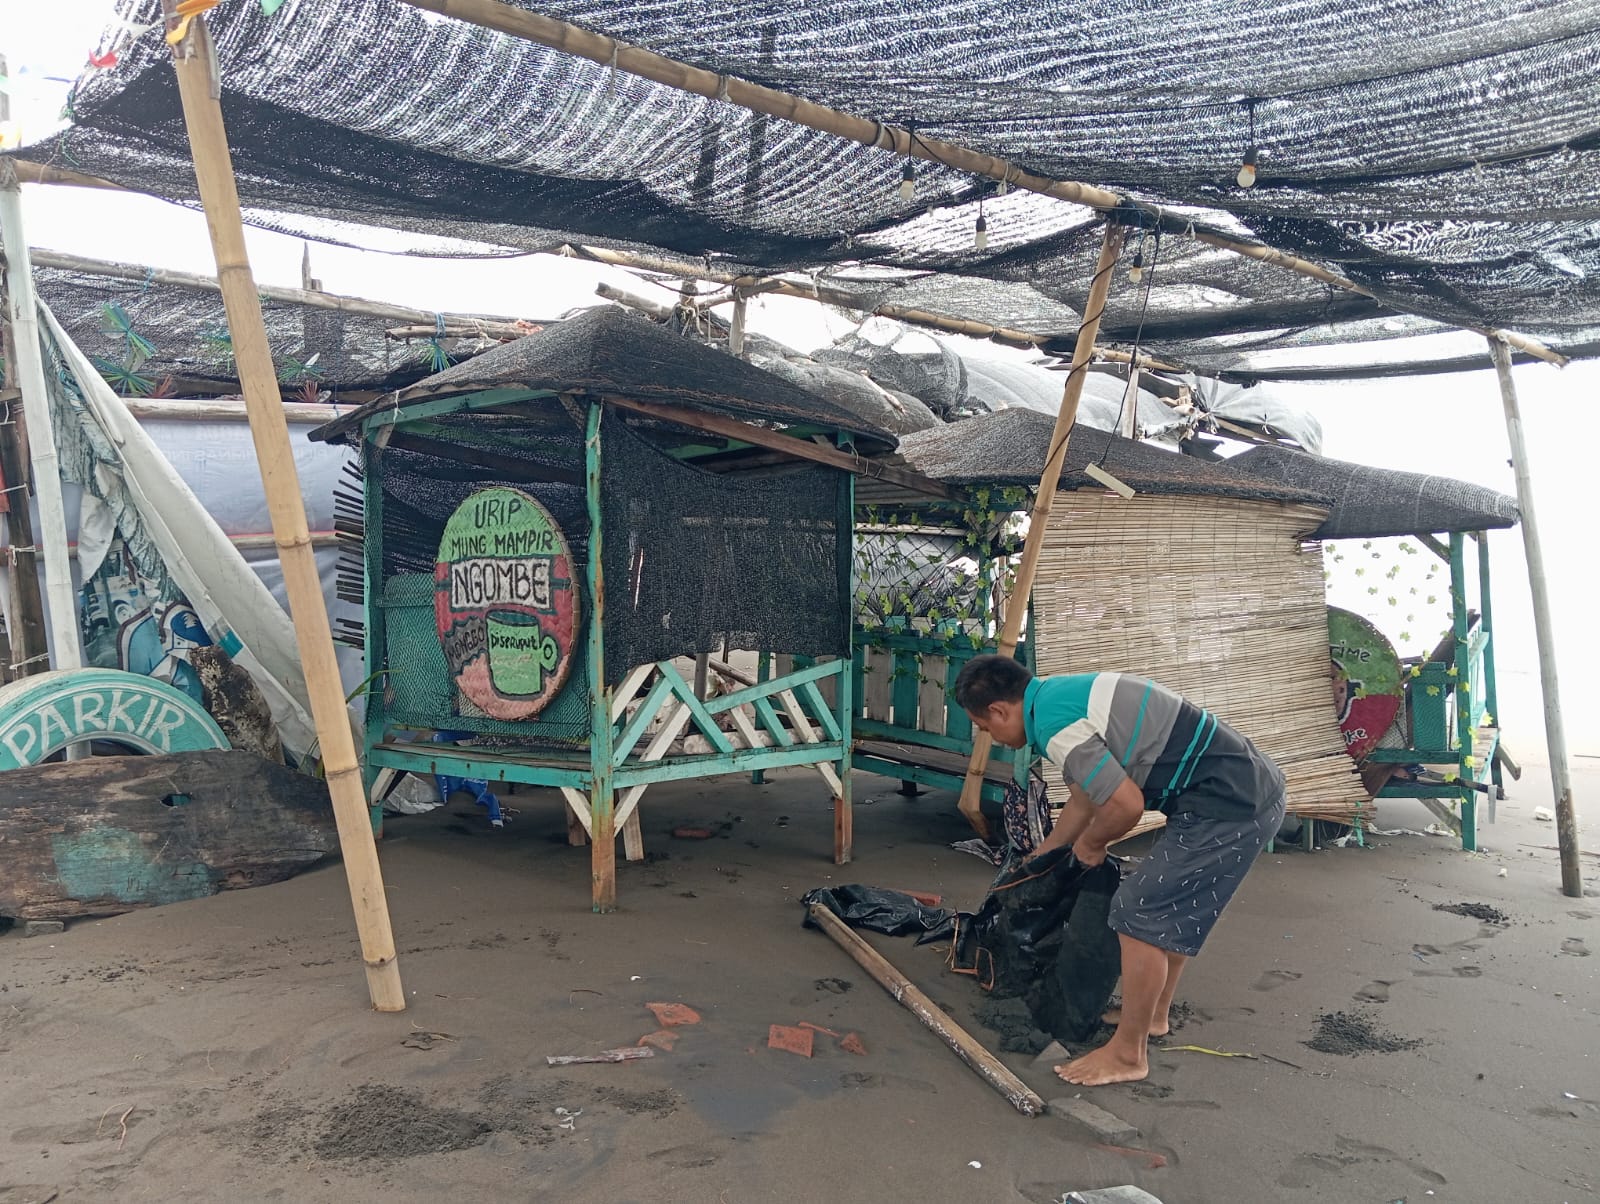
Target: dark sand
223	1049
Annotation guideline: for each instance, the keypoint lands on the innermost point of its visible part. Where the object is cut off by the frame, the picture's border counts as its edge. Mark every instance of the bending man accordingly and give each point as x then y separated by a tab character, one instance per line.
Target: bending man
1123	743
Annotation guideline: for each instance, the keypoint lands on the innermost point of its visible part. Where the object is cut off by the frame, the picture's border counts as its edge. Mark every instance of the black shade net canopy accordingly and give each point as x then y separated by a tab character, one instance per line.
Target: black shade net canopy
1444	156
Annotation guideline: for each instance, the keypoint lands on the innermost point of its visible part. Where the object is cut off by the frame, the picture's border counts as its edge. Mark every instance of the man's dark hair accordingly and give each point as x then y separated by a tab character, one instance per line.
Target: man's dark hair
988	679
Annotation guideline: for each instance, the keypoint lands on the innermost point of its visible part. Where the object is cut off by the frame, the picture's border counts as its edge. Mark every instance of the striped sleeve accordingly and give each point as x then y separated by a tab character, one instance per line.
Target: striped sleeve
1085	759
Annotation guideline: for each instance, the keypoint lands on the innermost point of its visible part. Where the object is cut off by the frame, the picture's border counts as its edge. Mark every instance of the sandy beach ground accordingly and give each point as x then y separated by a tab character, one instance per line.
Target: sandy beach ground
223	1049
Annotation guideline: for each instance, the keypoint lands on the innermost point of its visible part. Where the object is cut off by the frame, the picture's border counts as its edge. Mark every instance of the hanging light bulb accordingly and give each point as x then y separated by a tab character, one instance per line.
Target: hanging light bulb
1136	272
980	234
1247	169
908	181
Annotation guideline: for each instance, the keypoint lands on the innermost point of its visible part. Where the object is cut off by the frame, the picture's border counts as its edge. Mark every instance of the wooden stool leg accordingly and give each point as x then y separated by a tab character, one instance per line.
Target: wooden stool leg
576	836
843	818
603	850
633	837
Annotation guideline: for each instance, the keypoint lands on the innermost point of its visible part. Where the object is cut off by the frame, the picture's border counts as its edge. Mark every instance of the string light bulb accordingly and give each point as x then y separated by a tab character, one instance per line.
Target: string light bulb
980	232
1247	170
1136	272
908	181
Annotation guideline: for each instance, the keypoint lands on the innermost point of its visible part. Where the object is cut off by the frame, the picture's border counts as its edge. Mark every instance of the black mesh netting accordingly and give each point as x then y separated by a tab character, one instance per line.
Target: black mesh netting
1443	155
693	559
152	338
1372	502
422	485
1011	447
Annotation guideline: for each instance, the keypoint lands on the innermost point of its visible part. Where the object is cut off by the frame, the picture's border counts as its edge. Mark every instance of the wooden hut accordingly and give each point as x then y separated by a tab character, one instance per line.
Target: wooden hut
1443	745
548	525
1203	580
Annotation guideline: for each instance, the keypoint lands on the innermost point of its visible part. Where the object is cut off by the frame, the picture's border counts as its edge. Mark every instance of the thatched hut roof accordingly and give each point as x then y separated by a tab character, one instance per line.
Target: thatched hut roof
607	350
1372	502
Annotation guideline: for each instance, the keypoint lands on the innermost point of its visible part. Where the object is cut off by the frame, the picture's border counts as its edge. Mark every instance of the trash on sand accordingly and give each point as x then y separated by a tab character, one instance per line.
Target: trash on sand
817	1028
1569	1095
626	1054
426	1040
927	900
1544	814
1215	1053
1152	1160
790	1039
1503	873
569	1120
975	1165
671	1015
662	1039
851	1043
1114	1195
691	833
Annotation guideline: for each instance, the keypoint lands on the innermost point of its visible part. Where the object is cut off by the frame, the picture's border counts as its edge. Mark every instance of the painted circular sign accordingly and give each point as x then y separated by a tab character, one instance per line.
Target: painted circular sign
506	603
1367	690
42	714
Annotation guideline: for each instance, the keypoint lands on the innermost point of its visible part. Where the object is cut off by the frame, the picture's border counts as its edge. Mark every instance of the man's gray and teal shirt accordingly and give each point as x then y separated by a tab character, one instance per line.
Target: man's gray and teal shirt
1101	729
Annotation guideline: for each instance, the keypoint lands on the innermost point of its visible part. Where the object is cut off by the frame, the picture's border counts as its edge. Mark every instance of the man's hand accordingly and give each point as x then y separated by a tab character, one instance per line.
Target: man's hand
1088	852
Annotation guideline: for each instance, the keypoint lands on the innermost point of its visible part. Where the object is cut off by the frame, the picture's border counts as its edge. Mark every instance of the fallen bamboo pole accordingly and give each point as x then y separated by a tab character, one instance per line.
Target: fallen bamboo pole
1554	726
1043	502
906	993
619	56
194	62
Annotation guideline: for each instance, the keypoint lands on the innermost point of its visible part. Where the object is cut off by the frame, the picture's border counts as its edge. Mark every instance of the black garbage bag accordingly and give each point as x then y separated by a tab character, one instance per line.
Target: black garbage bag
1041	934
891	912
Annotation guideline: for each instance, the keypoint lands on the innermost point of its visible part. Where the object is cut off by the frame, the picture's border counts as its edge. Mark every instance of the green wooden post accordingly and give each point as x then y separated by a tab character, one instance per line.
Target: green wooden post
843	806
602	842
1460	685
1491	695
372	613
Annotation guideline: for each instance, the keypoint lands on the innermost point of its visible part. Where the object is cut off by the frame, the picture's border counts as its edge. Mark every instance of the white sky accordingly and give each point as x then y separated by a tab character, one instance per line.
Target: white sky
1450	425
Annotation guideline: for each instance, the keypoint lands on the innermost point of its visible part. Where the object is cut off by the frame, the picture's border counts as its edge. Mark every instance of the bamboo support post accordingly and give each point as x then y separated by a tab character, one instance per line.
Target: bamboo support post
906	993
66	649
1043	503
194	61
29	651
1554	727
619	56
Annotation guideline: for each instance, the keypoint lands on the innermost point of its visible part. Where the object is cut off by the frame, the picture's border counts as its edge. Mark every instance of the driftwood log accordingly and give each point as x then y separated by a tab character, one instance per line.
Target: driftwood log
106	835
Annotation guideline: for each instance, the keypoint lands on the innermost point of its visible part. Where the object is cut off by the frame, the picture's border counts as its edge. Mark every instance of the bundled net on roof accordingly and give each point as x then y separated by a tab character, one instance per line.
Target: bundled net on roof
1011	447
1442	155
1369	503
140	333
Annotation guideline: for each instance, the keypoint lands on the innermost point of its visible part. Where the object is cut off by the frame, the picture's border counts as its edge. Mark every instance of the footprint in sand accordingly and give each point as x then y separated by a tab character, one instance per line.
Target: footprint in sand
1273	979
1375	992
1575	946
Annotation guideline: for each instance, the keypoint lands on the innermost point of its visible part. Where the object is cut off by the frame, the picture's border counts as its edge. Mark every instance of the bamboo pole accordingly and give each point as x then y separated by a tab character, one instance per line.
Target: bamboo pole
1043	502
906	993
597	48
1554	727
194	61
67	651
29	652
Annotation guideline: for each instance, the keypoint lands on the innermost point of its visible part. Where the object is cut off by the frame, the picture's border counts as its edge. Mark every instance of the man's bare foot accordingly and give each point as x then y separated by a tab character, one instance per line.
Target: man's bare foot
1159	1028
1104	1065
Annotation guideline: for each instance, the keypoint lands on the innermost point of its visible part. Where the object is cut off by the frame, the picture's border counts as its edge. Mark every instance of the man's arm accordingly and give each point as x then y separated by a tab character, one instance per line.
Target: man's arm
1074	819
1111	820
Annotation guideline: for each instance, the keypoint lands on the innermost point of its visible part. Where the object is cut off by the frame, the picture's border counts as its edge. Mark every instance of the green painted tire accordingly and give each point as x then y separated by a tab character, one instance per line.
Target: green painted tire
41	715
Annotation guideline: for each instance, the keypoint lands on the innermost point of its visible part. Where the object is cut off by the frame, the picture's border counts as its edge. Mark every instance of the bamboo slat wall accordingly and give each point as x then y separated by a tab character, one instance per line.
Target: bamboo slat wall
1216	598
